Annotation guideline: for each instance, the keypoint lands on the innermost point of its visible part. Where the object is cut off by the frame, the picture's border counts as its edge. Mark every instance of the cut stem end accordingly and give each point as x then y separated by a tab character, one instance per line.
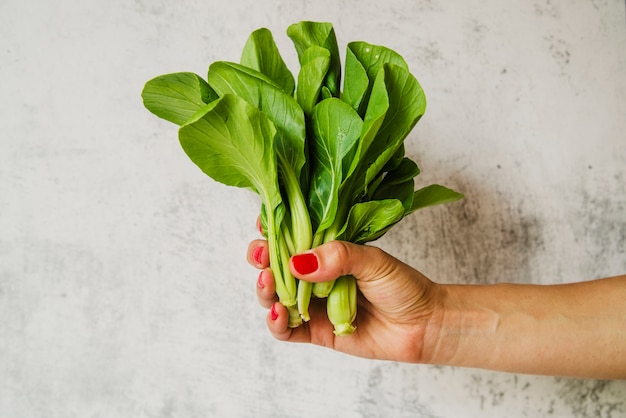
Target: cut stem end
295	320
342	330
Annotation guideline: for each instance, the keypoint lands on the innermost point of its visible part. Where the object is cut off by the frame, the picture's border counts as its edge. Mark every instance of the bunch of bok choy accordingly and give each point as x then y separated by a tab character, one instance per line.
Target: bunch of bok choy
327	162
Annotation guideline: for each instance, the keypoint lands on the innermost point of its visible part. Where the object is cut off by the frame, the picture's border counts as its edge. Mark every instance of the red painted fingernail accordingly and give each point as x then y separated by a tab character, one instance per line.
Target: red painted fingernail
259	281
305	263
273	313
257	254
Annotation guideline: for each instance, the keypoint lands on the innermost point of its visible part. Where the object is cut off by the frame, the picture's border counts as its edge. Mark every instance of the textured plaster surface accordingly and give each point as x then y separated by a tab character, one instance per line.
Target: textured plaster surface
124	290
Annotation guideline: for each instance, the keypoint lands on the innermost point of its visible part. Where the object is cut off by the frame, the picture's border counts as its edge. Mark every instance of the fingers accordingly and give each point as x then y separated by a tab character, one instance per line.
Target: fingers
259	226
277	322
317	331
258	254
266	289
338	258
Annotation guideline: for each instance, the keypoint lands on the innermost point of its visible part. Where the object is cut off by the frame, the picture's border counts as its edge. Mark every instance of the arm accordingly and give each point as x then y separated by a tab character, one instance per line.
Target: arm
576	329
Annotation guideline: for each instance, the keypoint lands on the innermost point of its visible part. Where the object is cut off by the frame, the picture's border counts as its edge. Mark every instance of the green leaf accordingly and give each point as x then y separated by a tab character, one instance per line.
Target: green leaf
176	97
406	170
432	195
396	159
233	143
372	122
391	105
261	53
335	129
279	214
326	94
314	67
398	184
374	57
407	103
368	221
356	82
371	59
307	34
288	118
262	93
402	191
220	73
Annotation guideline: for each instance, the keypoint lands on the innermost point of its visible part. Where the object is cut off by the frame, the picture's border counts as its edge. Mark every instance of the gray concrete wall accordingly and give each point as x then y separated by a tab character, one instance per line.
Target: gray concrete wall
124	290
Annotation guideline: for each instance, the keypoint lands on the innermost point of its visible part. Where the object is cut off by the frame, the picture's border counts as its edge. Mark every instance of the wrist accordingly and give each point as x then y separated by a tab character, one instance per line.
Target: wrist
459	331
566	330
438	345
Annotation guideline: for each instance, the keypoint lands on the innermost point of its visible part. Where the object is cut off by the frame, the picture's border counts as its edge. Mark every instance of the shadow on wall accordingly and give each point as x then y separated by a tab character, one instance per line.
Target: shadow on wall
481	239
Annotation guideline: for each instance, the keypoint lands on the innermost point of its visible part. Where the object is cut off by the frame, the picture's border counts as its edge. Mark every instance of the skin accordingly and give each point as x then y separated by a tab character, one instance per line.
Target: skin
576	329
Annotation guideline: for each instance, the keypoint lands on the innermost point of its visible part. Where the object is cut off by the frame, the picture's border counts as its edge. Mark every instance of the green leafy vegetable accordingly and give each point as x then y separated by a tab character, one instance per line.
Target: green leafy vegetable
260	53
315	65
176	97
335	131
327	164
309	34
368	221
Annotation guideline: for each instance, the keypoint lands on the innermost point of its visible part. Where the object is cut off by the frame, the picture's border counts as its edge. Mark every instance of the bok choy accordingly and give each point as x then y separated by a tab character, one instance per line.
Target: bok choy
328	162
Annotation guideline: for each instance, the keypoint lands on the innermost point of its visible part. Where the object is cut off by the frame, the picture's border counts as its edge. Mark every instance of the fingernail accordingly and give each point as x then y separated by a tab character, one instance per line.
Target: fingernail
273	313
305	263
257	255
259	281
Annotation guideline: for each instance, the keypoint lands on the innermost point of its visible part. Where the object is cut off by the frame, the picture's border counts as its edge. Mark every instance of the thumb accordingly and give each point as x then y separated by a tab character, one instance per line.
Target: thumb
339	258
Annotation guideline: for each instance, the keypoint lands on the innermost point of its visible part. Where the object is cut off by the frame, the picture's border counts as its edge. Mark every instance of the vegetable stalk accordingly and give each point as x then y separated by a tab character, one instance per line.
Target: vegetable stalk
341	305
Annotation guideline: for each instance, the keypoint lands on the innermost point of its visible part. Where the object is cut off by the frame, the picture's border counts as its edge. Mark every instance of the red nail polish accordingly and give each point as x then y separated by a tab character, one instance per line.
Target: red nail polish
273	313
259	281
305	263
257	254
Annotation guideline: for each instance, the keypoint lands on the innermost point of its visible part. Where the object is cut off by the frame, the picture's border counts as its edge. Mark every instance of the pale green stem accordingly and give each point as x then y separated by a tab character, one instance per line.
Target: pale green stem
323	289
298	240
341	305
304	299
283	292
288	279
346	194
288	237
291	286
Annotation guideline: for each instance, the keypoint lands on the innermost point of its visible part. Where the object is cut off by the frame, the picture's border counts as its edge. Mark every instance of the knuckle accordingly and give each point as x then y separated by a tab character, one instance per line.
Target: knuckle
340	253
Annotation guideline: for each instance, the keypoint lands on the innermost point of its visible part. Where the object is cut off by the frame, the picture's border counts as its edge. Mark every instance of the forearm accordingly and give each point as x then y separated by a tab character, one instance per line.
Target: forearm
575	329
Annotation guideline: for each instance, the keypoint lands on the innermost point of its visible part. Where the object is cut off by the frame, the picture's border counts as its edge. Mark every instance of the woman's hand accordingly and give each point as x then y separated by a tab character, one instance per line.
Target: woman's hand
575	329
397	305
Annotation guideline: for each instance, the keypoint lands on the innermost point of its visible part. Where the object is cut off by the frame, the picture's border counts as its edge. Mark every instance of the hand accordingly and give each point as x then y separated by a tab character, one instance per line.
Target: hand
395	303
574	329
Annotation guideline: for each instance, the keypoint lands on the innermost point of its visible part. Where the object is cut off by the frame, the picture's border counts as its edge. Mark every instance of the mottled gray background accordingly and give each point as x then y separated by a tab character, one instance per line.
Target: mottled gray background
124	290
